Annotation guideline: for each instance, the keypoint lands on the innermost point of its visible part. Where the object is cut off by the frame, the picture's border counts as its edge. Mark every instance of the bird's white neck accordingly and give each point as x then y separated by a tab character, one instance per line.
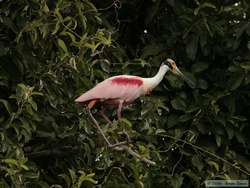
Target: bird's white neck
151	83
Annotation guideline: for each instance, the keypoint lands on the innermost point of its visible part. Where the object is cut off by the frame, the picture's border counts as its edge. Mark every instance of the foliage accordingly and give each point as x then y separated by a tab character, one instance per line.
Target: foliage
52	51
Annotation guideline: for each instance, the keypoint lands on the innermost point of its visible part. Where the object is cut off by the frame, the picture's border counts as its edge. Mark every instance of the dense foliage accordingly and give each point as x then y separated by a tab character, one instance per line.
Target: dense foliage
52	51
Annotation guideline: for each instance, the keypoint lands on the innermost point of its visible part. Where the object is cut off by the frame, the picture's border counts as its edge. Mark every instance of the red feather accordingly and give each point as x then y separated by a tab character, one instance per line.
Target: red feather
127	81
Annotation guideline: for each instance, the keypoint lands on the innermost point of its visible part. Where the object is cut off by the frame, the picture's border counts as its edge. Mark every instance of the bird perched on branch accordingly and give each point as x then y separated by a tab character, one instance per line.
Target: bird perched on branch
124	89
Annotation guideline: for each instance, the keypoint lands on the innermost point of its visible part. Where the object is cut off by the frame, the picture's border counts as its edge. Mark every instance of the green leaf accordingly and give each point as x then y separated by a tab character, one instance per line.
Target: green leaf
240	137
125	121
84	177
72	175
3	51
203	128
174	81
25	167
178	104
98	19
203	5
202	84
30	110
245	65
230	132
57	27
196	161
176	181
214	165
248	45
10	161
67	179
235	81
239	118
199	67
151	50
45	8
172	120
194	177
105	65
37	93
159	131
6	105
184	118
192	108
190	79
62	45
218	140
43	184
192	46
72	37
23	87
33	104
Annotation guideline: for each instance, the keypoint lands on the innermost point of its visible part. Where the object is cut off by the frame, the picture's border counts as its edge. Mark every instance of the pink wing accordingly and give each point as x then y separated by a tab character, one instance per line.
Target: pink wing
122	87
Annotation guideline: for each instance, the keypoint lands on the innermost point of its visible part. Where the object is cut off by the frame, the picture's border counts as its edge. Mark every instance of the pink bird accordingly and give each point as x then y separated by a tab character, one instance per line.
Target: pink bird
124	89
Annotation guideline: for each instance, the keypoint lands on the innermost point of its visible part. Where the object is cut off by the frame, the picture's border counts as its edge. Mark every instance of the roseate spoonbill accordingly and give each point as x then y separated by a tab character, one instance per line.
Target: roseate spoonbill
124	89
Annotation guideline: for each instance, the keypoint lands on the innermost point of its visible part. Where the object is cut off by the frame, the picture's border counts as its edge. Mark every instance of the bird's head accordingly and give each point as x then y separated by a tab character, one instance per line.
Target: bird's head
170	63
174	69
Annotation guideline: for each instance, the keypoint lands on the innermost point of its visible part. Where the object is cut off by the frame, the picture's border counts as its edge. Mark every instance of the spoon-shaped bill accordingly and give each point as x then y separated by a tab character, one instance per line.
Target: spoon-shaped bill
185	78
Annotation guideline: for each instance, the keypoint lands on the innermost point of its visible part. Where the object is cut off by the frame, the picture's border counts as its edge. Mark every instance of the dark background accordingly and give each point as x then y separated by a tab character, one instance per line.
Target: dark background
52	51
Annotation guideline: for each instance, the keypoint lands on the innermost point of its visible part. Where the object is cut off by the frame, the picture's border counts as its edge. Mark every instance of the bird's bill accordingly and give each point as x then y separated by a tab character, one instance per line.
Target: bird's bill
179	73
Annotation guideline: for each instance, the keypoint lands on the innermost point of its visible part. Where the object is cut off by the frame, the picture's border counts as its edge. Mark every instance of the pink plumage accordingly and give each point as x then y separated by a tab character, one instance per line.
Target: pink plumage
124	89
121	80
113	90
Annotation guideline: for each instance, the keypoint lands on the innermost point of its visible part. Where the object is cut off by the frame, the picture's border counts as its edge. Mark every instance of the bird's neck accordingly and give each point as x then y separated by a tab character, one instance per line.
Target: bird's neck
151	83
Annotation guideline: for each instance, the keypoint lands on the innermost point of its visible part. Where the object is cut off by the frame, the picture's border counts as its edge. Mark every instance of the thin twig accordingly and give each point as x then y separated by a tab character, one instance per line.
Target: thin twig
208	152
134	154
98	127
176	164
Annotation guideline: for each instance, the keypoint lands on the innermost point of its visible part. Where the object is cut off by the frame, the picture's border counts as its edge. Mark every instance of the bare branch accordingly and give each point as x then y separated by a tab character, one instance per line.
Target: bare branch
134	154
120	146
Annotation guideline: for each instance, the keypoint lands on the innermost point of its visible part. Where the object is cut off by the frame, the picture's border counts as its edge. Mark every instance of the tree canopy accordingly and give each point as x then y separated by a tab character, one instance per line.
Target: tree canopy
53	51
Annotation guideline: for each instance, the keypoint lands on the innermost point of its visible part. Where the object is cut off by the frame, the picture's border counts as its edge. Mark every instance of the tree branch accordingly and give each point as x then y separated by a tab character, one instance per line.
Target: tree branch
134	154
121	145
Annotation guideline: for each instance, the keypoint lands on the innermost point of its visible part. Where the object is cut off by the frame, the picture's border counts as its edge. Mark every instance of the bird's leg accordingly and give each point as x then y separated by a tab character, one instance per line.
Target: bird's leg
119	116
102	133
119	110
102	112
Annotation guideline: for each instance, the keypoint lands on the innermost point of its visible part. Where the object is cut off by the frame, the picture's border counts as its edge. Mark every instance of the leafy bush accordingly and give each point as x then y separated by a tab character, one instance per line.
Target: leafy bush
52	51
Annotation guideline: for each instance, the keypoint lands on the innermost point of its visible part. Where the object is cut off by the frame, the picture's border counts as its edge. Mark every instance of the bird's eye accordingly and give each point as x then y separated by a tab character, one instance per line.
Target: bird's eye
170	66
